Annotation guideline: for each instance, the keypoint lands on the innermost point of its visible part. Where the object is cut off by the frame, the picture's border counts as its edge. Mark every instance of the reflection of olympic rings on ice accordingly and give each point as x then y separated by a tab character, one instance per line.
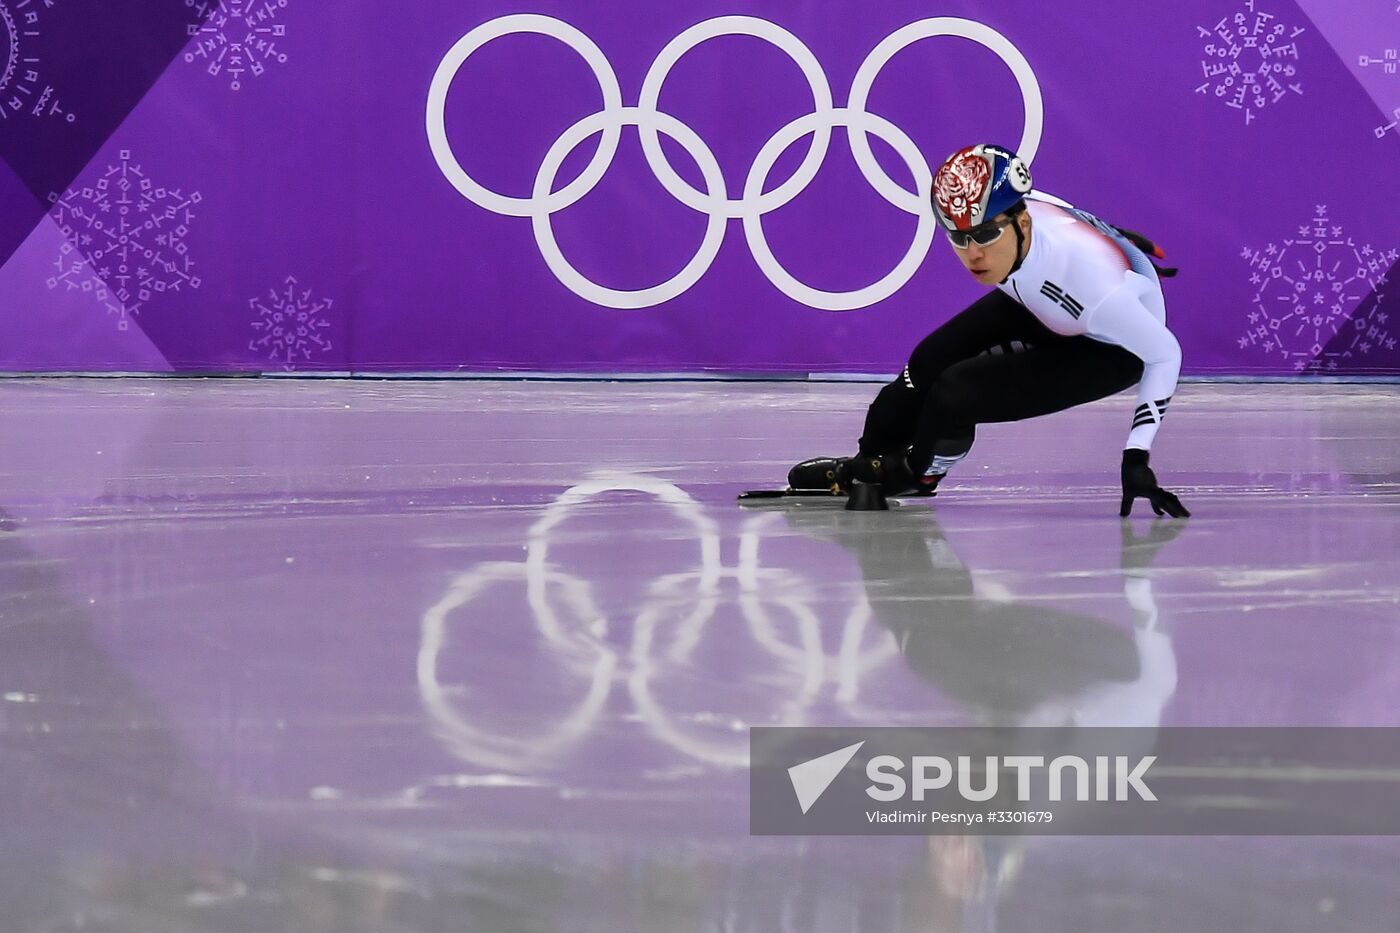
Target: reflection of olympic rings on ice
715	202
668	629
580	652
853	661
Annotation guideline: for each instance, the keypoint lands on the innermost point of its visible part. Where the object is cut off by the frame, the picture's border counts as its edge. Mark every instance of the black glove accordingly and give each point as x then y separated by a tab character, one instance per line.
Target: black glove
1140	481
888	471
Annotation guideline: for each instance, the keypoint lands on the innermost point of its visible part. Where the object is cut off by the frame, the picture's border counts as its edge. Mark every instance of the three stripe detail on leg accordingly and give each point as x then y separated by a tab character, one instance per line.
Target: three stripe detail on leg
1146	414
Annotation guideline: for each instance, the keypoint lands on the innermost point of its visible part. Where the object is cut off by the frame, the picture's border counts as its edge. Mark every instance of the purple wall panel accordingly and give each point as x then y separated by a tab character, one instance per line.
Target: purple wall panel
249	185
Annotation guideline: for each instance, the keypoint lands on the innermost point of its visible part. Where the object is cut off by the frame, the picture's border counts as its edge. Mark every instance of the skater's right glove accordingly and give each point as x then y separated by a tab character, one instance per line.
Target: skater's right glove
1140	482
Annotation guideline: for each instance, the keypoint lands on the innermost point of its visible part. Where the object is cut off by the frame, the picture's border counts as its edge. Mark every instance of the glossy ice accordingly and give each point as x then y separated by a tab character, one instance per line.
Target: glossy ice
341	656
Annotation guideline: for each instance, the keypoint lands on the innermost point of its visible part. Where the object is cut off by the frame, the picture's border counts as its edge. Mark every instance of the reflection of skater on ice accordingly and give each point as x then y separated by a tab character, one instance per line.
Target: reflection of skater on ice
1009	661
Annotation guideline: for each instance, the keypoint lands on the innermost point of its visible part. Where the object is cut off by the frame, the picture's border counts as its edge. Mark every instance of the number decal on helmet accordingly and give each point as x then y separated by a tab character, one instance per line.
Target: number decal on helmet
1020	175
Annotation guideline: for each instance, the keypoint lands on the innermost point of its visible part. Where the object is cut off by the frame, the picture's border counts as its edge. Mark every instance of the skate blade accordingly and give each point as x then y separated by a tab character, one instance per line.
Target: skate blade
768	494
777	495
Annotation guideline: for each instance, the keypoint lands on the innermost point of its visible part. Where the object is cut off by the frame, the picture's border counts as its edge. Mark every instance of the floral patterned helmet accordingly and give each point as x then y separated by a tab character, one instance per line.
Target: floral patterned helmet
977	183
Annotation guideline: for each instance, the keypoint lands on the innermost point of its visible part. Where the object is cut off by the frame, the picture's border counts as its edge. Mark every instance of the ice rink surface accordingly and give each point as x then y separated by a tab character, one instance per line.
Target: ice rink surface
481	656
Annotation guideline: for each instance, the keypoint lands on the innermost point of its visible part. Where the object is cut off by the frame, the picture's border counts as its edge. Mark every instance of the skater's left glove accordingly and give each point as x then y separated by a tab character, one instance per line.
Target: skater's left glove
1140	482
888	471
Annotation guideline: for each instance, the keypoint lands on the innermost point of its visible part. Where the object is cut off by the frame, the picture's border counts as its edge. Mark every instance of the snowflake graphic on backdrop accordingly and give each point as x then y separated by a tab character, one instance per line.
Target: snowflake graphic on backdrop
22	87
1388	64
1394	124
239	37
290	325
125	239
1307	291
1250	60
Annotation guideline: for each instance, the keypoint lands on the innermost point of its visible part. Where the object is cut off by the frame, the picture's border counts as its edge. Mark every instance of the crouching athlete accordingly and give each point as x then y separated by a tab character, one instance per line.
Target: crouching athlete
1076	315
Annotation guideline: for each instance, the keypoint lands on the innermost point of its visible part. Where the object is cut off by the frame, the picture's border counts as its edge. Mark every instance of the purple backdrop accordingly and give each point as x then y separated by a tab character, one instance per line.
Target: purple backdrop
263	185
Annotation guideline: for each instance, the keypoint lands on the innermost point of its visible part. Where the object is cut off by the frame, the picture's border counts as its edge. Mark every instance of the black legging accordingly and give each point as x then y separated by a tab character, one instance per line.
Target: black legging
992	362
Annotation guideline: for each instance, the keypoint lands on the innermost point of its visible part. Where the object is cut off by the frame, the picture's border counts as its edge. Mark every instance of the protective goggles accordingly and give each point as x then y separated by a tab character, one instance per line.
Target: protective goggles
983	235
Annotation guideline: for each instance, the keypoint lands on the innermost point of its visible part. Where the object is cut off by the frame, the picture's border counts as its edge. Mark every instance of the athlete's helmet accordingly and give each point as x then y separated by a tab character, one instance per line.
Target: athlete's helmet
976	184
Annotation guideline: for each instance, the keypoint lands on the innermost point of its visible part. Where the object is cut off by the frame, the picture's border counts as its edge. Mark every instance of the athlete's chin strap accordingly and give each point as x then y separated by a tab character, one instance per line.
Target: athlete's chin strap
1020	243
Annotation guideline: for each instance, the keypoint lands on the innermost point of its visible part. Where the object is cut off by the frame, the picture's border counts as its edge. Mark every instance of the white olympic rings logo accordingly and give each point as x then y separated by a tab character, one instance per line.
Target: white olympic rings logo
714	202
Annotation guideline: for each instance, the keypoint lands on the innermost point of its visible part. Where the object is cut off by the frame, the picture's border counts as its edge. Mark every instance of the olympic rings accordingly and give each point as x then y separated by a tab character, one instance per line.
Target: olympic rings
901	39
714	201
913	204
821	101
437	114
612	122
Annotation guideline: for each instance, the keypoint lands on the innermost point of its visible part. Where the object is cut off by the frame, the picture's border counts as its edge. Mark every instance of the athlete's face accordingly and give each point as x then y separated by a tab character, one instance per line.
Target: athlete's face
991	263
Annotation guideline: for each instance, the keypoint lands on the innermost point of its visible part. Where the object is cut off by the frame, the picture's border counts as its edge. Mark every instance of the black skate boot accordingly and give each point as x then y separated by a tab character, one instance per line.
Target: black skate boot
819	473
